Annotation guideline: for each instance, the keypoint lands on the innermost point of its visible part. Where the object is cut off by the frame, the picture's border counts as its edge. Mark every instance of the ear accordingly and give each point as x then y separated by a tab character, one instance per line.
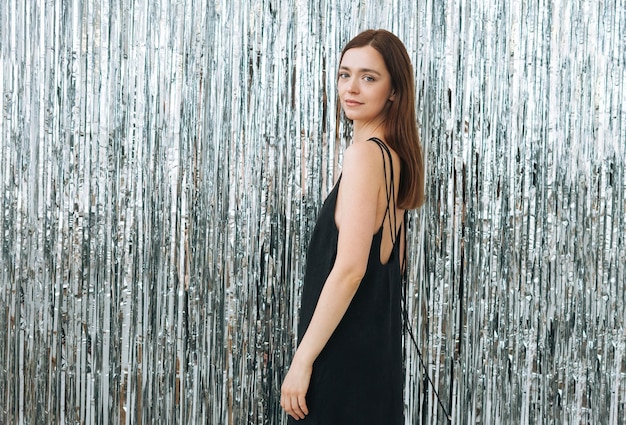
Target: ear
392	96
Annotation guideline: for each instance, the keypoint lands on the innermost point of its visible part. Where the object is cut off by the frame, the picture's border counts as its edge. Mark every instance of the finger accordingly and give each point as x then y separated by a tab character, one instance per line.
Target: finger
302	404
293	414
295	405
286	404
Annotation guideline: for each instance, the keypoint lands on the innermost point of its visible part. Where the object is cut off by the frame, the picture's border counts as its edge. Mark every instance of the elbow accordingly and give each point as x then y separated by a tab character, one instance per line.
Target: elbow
349	275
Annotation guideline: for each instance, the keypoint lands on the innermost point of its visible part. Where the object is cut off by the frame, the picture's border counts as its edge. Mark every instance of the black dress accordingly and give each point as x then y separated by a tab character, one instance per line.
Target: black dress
358	376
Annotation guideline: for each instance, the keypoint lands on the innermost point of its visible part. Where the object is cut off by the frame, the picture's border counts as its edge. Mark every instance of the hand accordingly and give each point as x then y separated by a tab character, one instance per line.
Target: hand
294	389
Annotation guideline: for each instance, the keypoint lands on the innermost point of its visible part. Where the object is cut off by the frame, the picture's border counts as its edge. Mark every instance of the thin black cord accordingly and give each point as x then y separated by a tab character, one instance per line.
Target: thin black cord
410	332
419	354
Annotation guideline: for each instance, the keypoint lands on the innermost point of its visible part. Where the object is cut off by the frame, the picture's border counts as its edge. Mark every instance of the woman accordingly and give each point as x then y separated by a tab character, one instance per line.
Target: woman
348	365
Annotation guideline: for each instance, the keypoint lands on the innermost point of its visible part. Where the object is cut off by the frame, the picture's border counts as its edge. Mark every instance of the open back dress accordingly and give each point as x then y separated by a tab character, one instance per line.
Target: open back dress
358	376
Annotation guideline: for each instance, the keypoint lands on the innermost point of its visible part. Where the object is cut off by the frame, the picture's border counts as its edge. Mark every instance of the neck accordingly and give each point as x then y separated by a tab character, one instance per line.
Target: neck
365	130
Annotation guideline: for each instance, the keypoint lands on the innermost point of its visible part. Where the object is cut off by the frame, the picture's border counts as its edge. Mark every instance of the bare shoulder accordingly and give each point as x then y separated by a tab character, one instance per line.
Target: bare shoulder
365	156
370	158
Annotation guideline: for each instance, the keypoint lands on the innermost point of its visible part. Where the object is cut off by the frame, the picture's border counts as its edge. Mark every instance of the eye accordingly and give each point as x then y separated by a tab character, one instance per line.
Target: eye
344	75
369	78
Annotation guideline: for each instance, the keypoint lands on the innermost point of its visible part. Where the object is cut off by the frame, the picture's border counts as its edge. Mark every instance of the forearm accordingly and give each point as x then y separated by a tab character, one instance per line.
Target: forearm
331	307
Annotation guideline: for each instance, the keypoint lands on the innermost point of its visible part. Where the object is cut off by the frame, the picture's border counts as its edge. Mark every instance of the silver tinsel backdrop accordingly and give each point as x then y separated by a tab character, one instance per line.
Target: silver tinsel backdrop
162	163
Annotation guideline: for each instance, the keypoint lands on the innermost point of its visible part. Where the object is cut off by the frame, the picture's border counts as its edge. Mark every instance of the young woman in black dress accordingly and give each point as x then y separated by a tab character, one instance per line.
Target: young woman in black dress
348	365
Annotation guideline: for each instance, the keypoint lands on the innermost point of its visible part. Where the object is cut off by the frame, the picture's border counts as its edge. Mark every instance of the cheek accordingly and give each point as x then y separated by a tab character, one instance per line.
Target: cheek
379	97
384	95
341	87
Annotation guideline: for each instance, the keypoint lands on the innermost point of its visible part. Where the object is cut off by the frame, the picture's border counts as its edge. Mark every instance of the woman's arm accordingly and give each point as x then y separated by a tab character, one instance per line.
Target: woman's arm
356	217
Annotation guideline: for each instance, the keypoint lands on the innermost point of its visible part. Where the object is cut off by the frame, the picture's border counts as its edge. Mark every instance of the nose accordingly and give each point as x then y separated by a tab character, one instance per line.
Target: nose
353	85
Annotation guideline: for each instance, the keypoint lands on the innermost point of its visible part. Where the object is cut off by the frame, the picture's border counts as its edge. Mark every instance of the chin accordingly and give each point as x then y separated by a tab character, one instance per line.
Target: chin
350	115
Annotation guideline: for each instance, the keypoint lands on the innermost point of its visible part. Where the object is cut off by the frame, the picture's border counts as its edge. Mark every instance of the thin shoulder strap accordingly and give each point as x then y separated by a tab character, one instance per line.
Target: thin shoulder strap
389	189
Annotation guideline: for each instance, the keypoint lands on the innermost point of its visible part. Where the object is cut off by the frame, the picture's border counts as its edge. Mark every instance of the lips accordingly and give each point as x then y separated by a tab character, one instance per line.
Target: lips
350	102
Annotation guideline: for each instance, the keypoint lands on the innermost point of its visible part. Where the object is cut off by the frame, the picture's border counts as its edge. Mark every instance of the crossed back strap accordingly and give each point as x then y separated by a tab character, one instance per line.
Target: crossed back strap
390	193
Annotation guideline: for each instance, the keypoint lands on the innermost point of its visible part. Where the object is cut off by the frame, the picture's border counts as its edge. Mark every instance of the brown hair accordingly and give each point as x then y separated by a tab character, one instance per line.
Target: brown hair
401	123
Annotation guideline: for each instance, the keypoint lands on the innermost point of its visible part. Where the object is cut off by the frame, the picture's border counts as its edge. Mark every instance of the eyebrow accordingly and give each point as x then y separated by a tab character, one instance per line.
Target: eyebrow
373	71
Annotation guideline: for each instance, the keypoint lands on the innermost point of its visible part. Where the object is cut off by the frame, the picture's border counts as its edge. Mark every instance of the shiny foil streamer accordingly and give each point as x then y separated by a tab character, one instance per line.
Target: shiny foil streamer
162	164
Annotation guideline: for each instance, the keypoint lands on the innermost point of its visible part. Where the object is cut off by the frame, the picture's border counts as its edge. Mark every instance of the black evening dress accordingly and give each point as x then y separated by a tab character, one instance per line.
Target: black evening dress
358	377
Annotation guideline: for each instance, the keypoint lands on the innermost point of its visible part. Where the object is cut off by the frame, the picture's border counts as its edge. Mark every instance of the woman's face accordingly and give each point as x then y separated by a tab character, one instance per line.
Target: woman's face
364	84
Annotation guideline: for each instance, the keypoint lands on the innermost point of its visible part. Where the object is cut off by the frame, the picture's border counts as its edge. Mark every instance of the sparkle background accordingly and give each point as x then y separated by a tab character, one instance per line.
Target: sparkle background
161	167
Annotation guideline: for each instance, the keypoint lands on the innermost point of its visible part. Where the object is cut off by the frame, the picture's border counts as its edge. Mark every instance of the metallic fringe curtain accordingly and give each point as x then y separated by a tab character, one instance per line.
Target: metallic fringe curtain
161	167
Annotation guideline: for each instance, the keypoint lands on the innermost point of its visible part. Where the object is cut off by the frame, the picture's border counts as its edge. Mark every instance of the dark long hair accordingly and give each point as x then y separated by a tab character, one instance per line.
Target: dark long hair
400	121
